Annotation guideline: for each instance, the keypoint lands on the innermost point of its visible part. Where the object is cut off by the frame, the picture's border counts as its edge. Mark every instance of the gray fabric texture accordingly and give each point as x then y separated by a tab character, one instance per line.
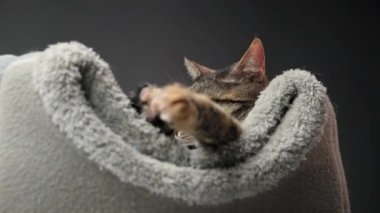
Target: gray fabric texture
70	142
5	60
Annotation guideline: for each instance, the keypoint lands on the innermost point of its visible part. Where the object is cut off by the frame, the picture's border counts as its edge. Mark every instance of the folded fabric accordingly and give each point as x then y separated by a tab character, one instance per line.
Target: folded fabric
71	142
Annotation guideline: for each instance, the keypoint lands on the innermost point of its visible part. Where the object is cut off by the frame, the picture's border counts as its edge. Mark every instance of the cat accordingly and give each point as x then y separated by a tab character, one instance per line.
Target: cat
209	111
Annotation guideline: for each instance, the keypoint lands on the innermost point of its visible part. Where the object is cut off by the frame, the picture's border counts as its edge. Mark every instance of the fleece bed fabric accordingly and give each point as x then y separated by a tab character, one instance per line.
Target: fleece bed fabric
71	142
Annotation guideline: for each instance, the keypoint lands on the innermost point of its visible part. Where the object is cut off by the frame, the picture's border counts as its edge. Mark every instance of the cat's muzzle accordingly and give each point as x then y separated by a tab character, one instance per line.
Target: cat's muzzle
186	139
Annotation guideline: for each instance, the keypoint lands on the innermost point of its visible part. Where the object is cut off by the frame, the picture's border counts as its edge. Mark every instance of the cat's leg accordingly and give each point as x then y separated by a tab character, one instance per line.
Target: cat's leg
190	112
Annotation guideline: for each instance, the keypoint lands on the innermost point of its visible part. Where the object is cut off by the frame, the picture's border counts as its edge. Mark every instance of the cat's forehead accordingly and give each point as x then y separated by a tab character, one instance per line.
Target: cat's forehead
212	83
219	87
219	80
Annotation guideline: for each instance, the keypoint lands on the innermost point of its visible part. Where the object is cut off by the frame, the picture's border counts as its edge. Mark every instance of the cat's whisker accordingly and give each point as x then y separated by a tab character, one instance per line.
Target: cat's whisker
171	78
182	78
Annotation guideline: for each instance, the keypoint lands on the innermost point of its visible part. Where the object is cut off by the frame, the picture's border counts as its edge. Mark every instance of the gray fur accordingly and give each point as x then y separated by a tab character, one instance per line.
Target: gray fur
74	90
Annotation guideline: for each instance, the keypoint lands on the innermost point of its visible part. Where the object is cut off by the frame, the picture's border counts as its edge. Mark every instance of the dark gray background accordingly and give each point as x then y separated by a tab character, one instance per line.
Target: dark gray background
146	41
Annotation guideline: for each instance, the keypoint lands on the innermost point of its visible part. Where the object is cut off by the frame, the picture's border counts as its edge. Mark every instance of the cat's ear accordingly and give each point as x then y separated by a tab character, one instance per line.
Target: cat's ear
195	70
252	64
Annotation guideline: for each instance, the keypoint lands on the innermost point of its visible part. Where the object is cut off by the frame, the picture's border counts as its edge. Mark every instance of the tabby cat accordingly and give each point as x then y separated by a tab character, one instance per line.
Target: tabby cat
211	109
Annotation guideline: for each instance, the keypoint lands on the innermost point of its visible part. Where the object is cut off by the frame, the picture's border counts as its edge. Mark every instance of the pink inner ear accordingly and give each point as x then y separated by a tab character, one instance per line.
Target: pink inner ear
252	64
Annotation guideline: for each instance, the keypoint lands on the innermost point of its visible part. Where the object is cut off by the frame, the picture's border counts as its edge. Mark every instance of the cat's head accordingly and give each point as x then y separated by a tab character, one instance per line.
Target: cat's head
235	87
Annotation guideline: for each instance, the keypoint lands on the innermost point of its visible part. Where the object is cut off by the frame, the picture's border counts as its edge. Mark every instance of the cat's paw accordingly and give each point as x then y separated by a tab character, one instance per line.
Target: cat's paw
173	104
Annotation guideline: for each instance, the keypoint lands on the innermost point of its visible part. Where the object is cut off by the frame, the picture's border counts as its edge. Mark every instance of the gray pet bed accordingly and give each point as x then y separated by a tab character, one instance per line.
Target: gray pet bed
71	142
